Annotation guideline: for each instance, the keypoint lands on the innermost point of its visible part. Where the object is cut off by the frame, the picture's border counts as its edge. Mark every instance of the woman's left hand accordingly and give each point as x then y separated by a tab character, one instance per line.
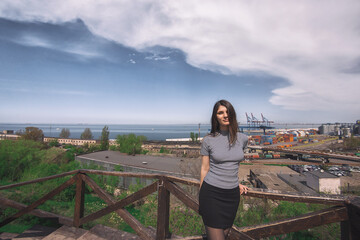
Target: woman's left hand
243	189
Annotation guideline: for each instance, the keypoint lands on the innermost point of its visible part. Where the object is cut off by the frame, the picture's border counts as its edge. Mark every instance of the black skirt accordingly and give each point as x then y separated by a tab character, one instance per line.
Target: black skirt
218	206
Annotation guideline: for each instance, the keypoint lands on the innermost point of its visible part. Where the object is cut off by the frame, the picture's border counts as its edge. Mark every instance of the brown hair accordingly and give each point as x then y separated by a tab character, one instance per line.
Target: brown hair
233	124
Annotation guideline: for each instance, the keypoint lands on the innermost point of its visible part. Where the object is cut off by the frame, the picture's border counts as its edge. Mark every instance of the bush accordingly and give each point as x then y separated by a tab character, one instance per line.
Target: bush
130	144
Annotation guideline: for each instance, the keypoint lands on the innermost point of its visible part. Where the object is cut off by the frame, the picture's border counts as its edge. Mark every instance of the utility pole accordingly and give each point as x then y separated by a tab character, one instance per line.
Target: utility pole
199	130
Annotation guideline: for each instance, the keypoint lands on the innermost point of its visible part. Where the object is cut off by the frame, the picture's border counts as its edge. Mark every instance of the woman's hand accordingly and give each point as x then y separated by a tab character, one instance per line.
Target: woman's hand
243	189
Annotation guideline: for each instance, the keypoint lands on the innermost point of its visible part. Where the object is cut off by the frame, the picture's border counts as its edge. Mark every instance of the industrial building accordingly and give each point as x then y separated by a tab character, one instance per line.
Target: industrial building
323	182
72	141
340	129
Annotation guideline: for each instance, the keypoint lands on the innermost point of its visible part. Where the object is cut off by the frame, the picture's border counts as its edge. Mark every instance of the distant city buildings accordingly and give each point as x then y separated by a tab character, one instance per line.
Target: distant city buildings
340	129
8	135
72	141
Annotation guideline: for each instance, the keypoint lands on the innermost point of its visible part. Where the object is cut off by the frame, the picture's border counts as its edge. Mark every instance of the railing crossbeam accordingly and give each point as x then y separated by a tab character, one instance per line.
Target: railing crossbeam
4	202
38	202
128	218
121	204
306	221
183	196
38	180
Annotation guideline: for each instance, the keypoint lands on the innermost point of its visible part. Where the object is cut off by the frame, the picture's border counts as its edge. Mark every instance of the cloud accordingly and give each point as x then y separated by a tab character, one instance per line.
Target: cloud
41	91
315	45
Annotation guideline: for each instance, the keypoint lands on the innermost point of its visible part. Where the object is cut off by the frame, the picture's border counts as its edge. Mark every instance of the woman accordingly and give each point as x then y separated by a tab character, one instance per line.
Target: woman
221	151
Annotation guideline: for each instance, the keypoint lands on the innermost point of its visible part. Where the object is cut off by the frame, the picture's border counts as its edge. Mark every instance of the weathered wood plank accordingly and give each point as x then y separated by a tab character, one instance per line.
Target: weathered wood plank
36	212
128	218
183	196
306	221
121	204
187	181
38	180
345	230
163	213
79	200
38	202
297	198
354	217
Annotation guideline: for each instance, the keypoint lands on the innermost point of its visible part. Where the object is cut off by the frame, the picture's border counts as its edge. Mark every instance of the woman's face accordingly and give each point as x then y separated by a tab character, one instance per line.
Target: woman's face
222	116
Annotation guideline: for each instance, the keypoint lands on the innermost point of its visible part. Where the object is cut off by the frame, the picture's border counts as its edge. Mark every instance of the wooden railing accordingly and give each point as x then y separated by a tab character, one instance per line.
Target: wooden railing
344	210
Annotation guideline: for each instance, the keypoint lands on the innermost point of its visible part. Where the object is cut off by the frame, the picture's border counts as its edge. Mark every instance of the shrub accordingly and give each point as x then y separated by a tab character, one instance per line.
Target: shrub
130	144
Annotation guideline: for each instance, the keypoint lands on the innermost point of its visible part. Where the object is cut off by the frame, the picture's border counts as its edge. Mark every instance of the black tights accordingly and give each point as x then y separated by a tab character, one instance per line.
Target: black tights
216	233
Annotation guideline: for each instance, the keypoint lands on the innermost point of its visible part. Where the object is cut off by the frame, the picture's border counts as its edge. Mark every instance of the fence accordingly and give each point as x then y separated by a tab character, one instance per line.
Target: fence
344	210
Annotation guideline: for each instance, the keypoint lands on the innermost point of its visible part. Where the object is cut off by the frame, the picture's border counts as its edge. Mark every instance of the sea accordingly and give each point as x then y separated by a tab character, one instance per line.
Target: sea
158	132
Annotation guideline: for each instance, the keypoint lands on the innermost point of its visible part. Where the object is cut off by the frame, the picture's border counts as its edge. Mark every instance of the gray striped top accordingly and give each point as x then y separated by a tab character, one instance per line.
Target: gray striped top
224	159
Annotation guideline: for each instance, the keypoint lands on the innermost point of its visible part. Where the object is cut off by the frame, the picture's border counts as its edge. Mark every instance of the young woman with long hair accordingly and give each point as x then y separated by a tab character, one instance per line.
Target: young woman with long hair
222	151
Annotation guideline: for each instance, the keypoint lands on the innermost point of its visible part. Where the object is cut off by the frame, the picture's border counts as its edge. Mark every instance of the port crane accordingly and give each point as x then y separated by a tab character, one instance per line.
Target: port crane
254	123
266	121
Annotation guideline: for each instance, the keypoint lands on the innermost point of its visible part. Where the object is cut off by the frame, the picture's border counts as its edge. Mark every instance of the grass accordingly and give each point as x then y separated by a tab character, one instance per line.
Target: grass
273	164
15	228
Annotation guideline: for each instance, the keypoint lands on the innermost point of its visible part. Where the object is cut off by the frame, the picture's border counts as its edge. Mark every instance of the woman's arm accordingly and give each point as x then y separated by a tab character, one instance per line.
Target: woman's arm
205	166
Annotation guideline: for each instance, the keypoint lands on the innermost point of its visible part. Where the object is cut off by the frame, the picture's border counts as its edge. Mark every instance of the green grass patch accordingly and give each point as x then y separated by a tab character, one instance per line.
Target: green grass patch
273	164
15	228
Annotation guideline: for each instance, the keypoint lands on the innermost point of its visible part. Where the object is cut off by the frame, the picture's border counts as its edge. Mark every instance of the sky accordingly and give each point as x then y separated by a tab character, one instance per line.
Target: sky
168	62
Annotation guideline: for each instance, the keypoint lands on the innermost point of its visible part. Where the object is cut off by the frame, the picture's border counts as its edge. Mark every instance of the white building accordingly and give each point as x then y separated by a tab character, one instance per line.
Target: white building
323	182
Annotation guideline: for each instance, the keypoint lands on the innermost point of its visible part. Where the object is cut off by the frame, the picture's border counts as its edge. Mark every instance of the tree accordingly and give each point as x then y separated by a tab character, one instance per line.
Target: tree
54	143
33	133
104	140
130	144
87	134
196	137
65	133
192	136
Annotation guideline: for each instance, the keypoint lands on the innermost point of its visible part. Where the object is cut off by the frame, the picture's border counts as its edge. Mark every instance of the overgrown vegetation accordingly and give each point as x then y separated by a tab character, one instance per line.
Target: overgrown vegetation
86	134
27	160
130	144
65	133
352	143
104	139
194	137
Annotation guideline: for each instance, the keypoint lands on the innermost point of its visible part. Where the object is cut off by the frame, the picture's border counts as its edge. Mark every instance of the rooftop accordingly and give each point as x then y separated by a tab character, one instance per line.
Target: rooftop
161	163
319	174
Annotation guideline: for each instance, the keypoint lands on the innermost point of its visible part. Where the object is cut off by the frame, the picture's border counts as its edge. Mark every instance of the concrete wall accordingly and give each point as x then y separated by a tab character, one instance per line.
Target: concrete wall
329	185
125	182
313	182
324	185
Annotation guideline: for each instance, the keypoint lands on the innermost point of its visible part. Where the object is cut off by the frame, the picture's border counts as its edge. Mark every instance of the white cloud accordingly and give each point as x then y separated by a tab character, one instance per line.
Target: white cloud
44	90
310	43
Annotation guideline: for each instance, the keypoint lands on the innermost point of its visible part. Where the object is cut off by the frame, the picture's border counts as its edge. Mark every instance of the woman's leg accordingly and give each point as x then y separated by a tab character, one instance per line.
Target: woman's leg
214	233
226	232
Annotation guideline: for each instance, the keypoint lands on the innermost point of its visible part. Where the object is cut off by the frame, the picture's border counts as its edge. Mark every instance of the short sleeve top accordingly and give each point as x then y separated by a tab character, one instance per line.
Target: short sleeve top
224	159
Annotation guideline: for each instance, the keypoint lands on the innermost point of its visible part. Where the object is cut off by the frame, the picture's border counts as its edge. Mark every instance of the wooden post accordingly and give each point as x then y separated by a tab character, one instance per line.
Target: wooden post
162	231
79	200
345	230
354	219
